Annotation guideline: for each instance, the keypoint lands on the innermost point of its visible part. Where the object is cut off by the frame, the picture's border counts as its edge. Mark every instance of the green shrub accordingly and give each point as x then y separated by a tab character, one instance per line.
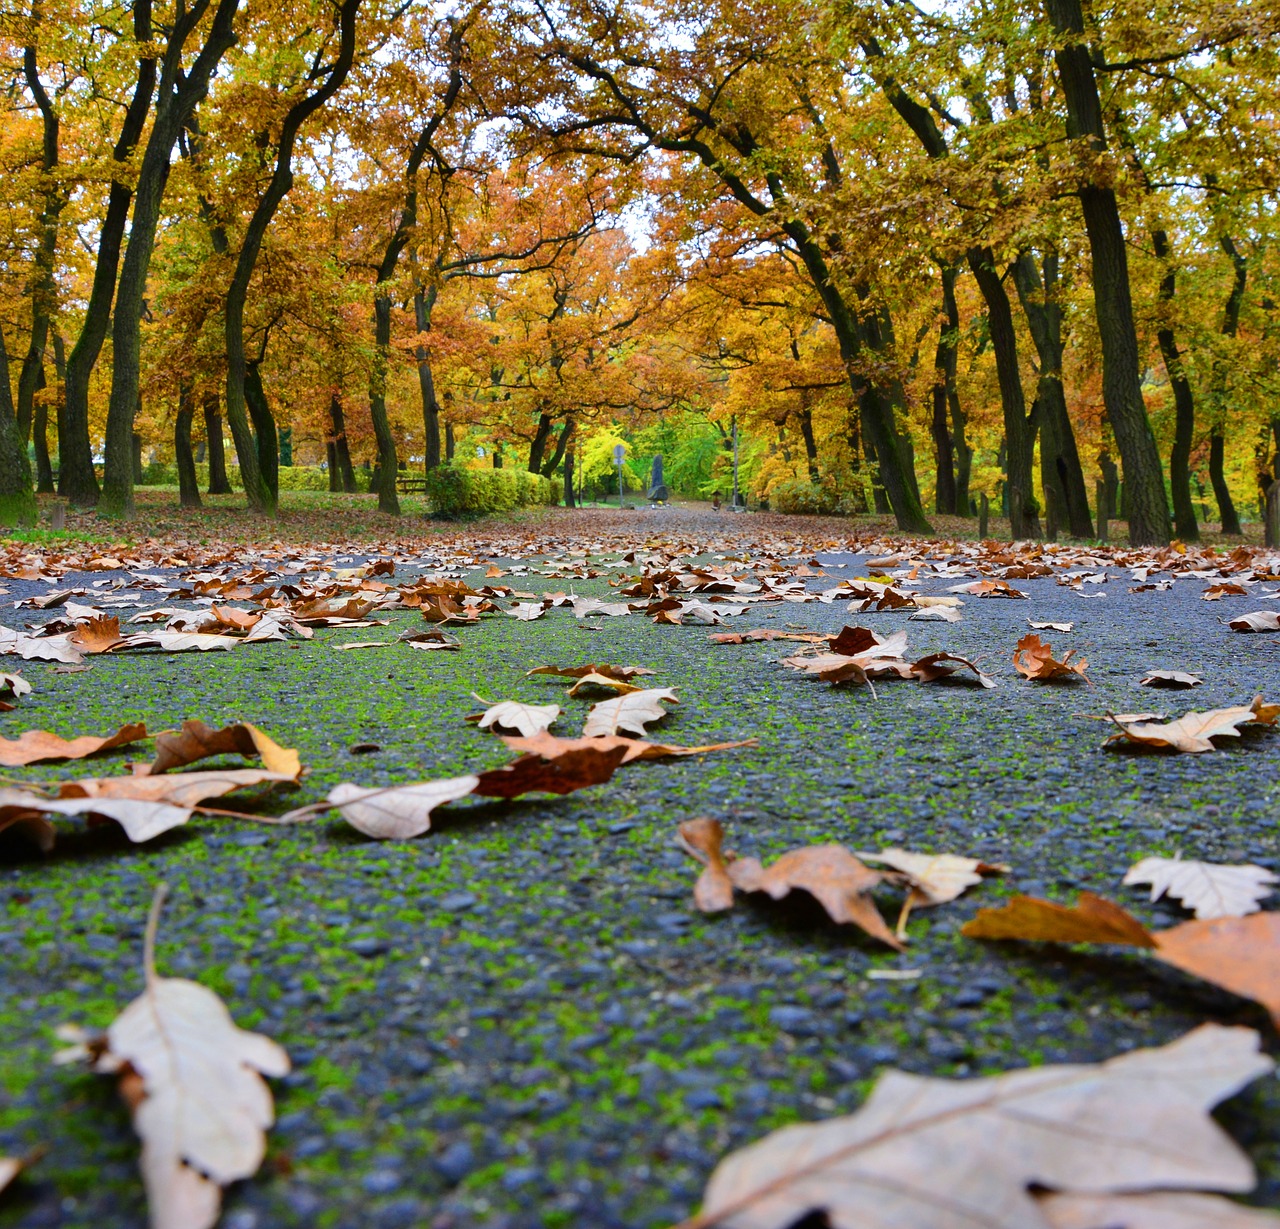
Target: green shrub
453	490
292	477
797	495
303	478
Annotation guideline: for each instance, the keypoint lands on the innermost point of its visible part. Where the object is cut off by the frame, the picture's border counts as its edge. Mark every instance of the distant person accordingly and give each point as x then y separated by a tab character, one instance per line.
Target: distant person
715	501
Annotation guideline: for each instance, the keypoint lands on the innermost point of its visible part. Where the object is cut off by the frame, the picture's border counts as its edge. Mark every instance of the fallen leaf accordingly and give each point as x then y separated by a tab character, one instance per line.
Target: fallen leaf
100	634
927	1153
764	633
934	878
635	748
1192	732
14	686
36	746
1208	888
1256	621
443	610
1216	592
1091	920
428	639
988	588
1173	679
557	766
1034	659
622	673
943	666
197	741
362	644
399	812
182	642
527	719
631	712
935	614
194	1083
830	874
525	611
1049	627
585	607
1152	1210
703	839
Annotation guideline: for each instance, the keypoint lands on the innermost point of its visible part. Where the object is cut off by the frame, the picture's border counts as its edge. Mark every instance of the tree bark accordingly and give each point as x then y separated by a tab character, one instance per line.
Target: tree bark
265	433
448	441
257	491
805	417
423	302
218	484
1184	406
944	373
188	483
40	440
77	479
1218	390
1060	468
388	500
549	466
341	450
17	500
1146	505
180	90
570	450
539	443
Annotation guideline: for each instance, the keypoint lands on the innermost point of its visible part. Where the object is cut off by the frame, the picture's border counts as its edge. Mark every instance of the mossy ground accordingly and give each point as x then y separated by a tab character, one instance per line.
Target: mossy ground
576	1045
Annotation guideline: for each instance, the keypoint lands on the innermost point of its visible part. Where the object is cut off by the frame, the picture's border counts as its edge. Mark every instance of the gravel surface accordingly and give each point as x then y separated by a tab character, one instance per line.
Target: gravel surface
520	1020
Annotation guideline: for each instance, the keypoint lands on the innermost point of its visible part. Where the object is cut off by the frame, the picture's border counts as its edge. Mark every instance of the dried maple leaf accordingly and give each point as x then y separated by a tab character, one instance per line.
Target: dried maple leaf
1192	732
429	638
622	673
1091	920
631	712
1034	659
934	878
837	880
399	812
37	746
703	839
988	588
527	719
443	610
14	686
928	1153
197	741
943	666
1208	888
1152	1210
764	633
194	1083
1216	592
1172	679
559	766
39	648
1256	621
549	746
100	634
617	686
525	611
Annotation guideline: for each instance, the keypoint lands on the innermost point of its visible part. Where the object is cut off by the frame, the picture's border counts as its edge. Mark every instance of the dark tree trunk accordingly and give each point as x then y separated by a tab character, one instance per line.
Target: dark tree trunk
944	380
549	466
448	441
77	479
188	483
331	456
1019	439
218	484
959	420
569	455
40	439
423	302
259	494
17	500
135	457
1218	391
388	500
60	371
180	90
539	444
341	449
266	436
1061	473
805	417
1146	505
1217	476
1184	406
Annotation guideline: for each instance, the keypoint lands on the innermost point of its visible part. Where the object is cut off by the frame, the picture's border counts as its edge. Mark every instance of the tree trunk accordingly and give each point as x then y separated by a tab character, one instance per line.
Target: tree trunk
181	89
1184	406
135	457
1147	508
40	438
218	484
188	483
539	444
1019	440
77	480
331	456
17	500
1218	390
944	378
260	496
448	441
341	449
266	437
569	455
60	372
388	500
549	466
1060	468
805	417
423	302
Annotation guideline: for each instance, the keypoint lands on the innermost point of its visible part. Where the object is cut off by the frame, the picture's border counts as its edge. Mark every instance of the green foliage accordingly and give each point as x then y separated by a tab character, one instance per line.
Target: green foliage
454	490
690	446
292	477
799	495
300	478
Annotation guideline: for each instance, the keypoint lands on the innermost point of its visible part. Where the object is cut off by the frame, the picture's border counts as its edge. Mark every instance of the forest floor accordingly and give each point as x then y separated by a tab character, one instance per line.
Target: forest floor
520	1020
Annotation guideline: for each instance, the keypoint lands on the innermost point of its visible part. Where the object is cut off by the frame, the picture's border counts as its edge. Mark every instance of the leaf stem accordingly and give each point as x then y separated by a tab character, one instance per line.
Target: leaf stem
153	925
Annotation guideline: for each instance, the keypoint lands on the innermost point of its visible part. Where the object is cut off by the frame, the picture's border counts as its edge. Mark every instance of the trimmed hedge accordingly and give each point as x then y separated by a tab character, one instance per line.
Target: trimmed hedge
292	477
454	490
